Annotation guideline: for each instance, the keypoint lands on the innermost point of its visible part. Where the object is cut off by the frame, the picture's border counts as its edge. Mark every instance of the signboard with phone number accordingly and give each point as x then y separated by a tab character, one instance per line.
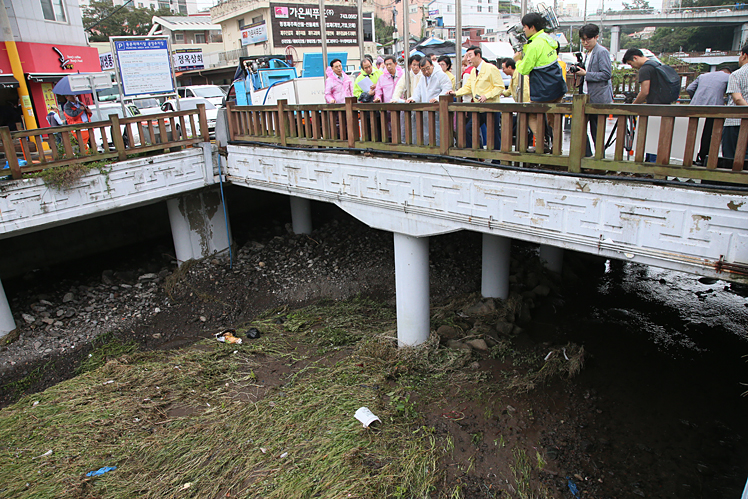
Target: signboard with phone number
299	25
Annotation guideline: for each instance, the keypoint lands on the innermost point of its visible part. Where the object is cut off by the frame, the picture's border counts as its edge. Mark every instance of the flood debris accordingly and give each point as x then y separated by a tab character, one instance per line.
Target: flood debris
366	417
101	471
227	336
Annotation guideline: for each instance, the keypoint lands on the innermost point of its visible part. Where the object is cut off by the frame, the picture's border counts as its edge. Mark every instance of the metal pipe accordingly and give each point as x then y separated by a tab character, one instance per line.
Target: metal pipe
406	46
323	36
523	9
360	6
458	41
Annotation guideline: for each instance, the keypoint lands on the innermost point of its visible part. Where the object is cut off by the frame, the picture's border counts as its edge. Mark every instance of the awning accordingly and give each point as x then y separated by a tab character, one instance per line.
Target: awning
8	82
45	77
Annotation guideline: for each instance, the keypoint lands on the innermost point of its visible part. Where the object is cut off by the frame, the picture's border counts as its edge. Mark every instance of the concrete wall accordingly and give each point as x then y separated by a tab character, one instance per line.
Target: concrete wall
28	24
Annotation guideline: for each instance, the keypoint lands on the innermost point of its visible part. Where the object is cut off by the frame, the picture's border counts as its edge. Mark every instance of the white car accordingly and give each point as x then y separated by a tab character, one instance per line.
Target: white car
147	106
103	113
213	93
211	111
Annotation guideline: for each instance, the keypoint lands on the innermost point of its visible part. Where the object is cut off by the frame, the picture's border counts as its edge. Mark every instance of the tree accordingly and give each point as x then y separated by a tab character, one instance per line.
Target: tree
103	19
383	31
640	5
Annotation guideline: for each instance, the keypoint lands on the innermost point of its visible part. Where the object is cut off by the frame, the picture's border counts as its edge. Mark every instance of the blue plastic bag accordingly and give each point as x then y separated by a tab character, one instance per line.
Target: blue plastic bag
101	471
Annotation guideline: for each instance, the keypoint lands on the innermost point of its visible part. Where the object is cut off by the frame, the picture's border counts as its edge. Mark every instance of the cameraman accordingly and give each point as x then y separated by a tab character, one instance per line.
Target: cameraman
597	75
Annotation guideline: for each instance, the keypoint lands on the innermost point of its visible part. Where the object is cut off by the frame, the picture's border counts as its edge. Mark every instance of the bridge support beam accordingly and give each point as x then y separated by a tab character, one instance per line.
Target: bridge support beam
412	289
198	224
301	215
740	36
7	324
615	40
553	257
495	269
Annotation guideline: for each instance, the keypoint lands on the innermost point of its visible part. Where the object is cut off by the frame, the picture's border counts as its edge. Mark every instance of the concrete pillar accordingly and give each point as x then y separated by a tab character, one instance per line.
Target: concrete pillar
198	224
553	257
740	36
7	324
615	40
301	215
495	268
412	289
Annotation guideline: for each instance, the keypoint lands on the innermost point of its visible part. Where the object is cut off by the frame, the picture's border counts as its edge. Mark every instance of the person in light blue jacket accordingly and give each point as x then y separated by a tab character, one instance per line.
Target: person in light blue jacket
597	73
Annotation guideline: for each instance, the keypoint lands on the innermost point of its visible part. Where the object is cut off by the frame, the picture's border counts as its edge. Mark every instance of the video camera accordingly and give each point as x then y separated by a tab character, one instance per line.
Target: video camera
517	35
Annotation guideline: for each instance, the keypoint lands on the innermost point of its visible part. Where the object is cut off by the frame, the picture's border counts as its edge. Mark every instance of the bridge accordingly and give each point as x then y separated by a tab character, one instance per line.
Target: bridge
408	168
717	17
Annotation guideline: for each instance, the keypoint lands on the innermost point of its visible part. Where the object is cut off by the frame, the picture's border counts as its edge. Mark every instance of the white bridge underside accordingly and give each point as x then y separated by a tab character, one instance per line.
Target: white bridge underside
684	228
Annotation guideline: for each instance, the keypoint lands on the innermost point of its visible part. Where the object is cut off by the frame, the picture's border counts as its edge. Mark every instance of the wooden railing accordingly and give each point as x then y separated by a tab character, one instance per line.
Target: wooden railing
116	139
442	128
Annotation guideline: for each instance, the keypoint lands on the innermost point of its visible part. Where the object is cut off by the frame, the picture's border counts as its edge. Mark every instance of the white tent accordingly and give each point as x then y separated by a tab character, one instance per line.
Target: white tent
496	50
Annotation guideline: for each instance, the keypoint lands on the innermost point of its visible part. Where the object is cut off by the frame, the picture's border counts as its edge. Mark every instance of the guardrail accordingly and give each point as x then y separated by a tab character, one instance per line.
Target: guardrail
441	129
115	139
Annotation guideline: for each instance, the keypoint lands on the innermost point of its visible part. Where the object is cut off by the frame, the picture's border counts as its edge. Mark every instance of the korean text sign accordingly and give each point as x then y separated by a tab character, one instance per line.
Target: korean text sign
299	25
144	66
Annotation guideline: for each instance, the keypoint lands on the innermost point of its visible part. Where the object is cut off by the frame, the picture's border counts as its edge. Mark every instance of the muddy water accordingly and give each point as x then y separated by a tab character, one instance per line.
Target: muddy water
667	363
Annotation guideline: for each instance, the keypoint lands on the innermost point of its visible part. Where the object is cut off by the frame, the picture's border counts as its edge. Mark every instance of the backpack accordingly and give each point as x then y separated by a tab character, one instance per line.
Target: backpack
668	84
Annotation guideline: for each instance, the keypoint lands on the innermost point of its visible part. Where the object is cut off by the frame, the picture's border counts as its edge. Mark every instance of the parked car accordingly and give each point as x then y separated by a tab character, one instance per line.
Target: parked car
211	111
103	113
147	106
213	93
722	11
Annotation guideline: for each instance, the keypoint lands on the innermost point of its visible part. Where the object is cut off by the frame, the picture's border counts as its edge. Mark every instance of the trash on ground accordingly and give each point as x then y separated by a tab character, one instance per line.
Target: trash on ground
366	417
227	336
186	485
284	455
101	471
253	333
573	488
48	453
565	356
548	356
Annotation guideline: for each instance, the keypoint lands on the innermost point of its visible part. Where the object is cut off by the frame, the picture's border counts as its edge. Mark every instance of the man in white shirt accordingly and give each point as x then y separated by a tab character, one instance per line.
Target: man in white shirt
430	87
415	77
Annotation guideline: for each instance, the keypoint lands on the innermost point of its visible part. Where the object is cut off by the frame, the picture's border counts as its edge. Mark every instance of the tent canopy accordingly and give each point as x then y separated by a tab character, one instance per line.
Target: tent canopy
435	46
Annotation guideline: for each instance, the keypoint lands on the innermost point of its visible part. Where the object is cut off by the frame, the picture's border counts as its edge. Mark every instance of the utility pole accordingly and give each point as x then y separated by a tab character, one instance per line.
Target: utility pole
361	28
523	11
323	36
458	40
585	12
406	45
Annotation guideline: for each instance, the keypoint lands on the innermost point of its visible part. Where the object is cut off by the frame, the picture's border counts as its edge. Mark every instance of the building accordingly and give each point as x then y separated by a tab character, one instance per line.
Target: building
261	27
51	43
183	7
189	32
479	13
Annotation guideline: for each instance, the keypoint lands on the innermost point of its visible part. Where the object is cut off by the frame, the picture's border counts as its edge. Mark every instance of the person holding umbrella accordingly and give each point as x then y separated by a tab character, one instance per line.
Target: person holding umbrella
76	113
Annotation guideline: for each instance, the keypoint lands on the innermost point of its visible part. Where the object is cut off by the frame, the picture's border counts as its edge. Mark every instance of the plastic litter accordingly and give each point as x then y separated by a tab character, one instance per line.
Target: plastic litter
573	488
101	471
565	356
253	333
227	336
548	356
48	453
366	417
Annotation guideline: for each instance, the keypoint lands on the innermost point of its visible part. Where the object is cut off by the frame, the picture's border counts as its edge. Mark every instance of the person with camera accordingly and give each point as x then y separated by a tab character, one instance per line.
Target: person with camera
596	71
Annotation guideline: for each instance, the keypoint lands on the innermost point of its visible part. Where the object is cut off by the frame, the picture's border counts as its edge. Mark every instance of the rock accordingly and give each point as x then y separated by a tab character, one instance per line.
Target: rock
68	298
541	290
203	318
30	319
48	321
475	366
126	276
261	264
446	332
69	313
478	344
45	302
147	277
504	328
164	273
107	277
37	345
483	307
458	345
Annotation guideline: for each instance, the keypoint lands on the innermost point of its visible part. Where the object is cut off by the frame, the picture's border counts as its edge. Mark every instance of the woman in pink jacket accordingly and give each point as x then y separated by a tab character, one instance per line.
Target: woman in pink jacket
338	85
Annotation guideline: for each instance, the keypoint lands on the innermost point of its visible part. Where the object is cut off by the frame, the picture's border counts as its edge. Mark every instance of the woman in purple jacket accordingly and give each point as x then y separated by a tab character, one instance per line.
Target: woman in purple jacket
338	85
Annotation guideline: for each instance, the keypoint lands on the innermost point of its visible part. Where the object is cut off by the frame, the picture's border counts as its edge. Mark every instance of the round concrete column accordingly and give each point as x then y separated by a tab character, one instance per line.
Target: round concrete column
615	40
553	257
180	231
7	324
412	289
495	269
301	215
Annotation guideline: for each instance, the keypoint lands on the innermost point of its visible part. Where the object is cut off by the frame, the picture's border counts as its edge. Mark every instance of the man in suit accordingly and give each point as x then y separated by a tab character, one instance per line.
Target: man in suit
597	73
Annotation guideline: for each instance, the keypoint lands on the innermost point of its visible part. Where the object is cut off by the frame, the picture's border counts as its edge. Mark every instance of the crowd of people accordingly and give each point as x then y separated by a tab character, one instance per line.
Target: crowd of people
538	75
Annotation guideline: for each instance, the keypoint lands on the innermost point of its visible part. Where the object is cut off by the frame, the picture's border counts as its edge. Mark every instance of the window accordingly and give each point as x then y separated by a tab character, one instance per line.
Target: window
449	8
53	10
257	19
240	22
368	27
452	33
490	8
183	9
199	37
466	32
480	8
178	37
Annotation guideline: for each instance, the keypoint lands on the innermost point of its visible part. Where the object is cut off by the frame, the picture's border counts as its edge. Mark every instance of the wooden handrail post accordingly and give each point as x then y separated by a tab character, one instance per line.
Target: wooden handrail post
351	121
283	121
119	142
445	137
578	133
10	152
203	122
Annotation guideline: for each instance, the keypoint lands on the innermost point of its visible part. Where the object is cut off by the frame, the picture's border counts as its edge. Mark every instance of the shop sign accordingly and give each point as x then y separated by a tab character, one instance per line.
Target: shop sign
50	100
144	66
107	61
187	59
254	33
299	25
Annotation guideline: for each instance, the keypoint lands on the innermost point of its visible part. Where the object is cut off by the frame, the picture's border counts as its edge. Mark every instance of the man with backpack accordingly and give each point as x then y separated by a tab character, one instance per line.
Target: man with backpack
660	84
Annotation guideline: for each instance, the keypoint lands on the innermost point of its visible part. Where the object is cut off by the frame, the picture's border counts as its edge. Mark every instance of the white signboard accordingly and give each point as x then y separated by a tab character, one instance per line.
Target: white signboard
254	33
81	82
144	66
107	61
187	59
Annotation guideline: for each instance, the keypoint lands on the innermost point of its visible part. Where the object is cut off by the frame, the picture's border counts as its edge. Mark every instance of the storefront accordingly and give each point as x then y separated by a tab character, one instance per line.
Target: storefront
43	66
